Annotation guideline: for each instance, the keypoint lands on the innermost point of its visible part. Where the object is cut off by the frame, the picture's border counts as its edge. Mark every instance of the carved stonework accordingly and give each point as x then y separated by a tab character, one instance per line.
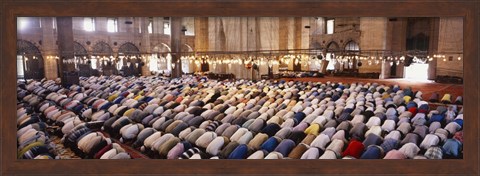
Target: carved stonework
78	49
332	46
161	47
128	48
26	47
316	45
33	68
102	48
351	46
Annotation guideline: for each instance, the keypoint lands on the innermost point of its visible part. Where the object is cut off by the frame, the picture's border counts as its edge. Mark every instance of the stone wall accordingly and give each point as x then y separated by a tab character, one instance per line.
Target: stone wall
346	29
45	37
373	37
251	34
258	33
450	40
396	42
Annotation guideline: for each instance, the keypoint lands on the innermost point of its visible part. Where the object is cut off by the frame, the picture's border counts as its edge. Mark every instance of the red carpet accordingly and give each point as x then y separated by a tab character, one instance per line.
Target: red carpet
427	87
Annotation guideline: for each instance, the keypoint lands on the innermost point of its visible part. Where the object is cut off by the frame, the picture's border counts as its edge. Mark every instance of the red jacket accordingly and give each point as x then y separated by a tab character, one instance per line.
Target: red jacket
355	149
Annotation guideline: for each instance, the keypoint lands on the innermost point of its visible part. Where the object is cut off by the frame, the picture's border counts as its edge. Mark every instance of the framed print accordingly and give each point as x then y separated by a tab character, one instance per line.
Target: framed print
249	87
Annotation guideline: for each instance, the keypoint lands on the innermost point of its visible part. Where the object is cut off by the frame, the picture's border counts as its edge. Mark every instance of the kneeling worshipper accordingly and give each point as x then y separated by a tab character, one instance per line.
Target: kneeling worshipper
109	117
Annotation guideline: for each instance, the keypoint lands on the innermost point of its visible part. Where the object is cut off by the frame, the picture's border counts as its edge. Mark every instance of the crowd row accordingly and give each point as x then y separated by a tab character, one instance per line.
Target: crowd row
197	118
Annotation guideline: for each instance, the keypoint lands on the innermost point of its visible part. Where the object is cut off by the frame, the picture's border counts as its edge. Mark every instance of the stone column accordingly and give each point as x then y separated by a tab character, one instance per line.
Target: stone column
396	40
373	37
385	69
145	43
175	41
65	50
450	44
201	37
433	46
283	33
49	48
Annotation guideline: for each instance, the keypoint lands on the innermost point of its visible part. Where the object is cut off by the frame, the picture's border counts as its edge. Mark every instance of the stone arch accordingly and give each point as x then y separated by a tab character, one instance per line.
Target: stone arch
316	45
27	47
351	45
128	48
81	53
78	49
34	68
332	46
187	52
102	49
158	51
161	48
187	48
132	63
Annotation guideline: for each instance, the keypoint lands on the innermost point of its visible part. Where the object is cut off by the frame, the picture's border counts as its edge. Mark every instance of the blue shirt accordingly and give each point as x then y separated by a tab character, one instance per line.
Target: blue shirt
451	147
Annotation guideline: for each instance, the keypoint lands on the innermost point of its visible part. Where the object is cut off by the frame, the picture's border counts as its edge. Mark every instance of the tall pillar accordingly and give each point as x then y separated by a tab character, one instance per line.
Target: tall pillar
433	46
396	41
65	51
201	37
49	48
175	41
298	32
373	37
450	44
385	70
145	44
283	33
201	33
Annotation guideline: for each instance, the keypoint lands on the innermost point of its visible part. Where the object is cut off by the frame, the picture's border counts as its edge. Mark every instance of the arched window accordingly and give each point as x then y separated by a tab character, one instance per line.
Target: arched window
80	53
29	61
331	47
185	61
153	63
128	48
351	46
100	50
158	61
133	59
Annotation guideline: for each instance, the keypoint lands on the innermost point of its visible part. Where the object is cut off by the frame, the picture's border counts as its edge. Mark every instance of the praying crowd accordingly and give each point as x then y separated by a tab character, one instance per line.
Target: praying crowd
195	117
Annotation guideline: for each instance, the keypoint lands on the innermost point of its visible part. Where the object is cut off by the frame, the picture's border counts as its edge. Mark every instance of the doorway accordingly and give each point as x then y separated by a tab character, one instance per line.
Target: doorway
417	71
